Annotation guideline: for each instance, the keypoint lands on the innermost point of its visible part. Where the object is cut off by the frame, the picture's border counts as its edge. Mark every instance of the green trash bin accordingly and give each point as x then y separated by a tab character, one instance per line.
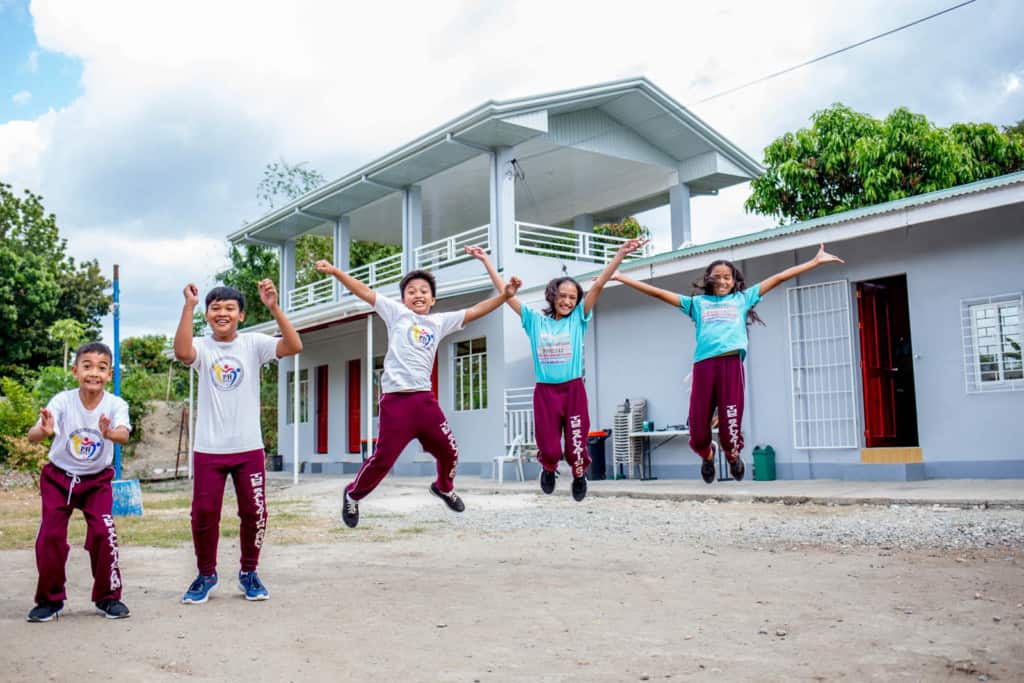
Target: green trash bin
764	463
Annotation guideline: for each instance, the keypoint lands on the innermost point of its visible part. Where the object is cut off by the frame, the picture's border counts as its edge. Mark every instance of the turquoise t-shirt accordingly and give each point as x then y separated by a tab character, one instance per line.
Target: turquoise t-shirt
557	344
721	321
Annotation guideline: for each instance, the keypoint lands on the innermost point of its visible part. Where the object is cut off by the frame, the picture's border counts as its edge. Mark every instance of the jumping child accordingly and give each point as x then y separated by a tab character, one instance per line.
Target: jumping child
408	408
85	423
561	419
721	315
228	435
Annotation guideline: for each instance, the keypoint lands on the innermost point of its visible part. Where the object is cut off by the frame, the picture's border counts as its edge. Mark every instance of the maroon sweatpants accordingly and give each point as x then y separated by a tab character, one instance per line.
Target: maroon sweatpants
61	493
717	383
561	424
248	473
404	417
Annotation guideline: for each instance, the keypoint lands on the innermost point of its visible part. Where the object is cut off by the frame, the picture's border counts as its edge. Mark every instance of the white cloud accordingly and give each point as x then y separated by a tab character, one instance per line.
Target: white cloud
179	115
32	63
1011	83
21	97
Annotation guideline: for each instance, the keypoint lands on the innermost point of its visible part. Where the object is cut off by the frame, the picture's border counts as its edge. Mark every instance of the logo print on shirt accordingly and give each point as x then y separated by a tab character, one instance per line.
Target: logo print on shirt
227	373
85	444
421	336
554	348
726	311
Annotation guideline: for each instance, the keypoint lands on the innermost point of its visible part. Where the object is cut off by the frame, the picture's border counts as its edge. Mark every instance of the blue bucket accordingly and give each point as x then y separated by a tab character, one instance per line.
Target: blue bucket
127	497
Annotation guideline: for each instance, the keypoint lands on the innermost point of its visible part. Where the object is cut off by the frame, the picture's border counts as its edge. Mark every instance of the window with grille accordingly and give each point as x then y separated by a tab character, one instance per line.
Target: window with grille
303	396
470	366
821	366
992	343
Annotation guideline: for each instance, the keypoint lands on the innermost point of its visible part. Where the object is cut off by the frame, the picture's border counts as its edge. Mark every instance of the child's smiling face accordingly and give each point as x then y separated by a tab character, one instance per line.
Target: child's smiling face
223	316
722	280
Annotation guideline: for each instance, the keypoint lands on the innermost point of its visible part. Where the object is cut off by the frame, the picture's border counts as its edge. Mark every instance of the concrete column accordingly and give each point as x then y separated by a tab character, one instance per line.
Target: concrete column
287	270
342	245
412	225
583	222
679	207
503	207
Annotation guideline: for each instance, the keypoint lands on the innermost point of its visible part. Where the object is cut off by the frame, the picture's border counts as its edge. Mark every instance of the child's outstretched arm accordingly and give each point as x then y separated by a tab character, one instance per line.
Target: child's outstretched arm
290	342
499	284
671	298
595	289
183	349
353	285
487	305
770	283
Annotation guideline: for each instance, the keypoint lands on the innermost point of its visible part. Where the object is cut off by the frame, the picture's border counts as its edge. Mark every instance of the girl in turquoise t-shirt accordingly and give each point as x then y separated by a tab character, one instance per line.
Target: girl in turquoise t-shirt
556	339
721	314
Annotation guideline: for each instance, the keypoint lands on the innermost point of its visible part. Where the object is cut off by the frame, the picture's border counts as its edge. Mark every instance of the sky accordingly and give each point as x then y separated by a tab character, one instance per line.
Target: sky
146	126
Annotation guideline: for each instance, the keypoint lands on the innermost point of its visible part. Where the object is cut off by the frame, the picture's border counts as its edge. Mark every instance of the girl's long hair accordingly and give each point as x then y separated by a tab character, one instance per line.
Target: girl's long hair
706	285
551	294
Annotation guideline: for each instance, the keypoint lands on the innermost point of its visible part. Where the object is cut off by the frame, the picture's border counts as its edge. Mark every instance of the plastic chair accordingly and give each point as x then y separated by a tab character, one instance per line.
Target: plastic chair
515	454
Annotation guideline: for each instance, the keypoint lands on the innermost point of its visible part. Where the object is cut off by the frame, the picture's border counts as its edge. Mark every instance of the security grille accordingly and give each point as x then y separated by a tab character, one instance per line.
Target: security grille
821	364
992	328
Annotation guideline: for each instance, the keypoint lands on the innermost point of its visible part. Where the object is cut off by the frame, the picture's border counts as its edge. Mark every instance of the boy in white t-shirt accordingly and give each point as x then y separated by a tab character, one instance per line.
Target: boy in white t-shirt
408	408
228	436
85	423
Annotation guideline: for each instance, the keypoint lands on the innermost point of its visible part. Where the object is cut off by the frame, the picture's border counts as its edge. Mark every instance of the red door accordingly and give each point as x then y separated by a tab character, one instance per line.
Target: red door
354	414
321	409
876	363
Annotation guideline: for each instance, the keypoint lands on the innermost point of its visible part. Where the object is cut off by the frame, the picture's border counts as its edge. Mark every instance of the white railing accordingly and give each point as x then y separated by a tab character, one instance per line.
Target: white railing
447	251
519	415
312	294
374	274
379	272
547	240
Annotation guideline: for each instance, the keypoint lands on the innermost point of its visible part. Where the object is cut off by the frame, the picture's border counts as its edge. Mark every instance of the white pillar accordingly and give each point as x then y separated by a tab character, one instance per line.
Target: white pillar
583	222
679	207
369	386
503	206
191	421
287	270
296	421
412	225
342	249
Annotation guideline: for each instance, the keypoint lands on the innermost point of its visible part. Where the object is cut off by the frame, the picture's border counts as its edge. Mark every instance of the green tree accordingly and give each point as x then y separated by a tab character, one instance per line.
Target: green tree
847	159
145	353
1016	129
69	332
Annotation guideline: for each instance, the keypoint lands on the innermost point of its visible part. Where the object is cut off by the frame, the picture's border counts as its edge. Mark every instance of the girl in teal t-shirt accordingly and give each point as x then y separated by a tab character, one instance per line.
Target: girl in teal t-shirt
556	339
721	314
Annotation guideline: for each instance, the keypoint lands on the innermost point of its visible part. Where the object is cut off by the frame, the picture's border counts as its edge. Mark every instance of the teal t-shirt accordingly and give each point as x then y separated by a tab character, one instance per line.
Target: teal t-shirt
721	321
557	344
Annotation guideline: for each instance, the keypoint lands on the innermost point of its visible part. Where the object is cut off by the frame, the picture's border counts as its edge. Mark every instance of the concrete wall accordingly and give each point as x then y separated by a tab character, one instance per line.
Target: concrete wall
644	349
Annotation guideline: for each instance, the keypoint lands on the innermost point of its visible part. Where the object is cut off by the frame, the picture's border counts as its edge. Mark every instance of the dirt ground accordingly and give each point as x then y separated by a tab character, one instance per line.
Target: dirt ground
416	594
155	454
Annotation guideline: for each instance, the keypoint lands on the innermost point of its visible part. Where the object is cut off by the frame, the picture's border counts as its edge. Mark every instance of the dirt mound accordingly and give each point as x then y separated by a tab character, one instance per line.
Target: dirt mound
155	454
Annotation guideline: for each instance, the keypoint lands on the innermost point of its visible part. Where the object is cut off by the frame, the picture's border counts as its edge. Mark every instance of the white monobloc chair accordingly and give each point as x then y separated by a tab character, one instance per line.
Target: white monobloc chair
515	455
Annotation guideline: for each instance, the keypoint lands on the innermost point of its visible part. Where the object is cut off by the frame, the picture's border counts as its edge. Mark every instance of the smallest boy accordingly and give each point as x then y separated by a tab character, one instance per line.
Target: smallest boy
85	423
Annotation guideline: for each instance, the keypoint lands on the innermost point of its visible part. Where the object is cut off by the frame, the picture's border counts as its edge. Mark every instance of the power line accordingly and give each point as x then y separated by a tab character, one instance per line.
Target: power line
833	53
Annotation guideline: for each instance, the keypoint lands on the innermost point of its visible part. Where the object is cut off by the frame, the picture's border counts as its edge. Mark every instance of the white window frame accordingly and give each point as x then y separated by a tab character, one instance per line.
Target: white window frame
477	363
973	382
303	396
820	383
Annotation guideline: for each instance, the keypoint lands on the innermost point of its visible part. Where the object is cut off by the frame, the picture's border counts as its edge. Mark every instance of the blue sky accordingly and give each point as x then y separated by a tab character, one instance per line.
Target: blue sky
33	80
146	130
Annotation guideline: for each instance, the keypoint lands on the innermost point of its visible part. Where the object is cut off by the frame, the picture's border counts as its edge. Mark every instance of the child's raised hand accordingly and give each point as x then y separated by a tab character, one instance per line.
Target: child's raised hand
268	293
105	426
476	252
824	257
632	245
512	286
191	293
323	266
46	421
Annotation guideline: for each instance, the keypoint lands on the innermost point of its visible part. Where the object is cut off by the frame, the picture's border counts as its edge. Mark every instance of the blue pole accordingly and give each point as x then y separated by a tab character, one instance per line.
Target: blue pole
117	363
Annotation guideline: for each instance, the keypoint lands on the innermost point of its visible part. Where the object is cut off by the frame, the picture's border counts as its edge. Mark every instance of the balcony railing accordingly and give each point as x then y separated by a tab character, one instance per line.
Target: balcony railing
547	240
375	274
447	251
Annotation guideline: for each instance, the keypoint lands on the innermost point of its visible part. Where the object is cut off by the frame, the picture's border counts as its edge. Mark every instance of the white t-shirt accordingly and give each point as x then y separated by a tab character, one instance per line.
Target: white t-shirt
78	446
412	344
228	406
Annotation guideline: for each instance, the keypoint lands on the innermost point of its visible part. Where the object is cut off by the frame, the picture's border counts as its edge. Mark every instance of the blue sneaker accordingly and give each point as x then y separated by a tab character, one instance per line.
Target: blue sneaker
200	589
251	585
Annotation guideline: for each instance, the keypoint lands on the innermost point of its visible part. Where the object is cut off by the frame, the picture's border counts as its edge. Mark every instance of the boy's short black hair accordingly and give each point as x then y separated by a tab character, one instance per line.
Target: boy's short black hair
94	347
418	275
226	294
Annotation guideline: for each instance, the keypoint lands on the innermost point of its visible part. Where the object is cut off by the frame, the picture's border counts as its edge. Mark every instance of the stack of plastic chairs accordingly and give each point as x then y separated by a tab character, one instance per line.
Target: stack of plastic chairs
627	452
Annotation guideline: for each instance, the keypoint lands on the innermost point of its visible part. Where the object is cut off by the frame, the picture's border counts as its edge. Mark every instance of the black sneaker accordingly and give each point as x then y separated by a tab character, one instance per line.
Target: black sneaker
579	488
736	469
113	609
707	470
547	481
451	499
47	611
349	510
